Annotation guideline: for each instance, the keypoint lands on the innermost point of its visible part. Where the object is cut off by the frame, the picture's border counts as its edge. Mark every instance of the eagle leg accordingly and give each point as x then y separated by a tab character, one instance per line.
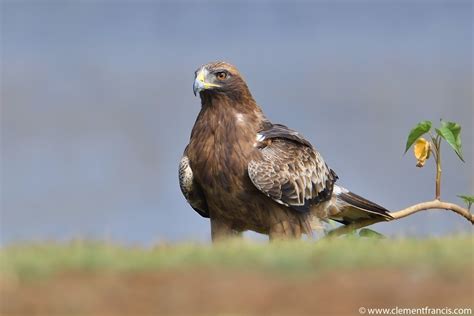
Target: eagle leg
221	229
284	230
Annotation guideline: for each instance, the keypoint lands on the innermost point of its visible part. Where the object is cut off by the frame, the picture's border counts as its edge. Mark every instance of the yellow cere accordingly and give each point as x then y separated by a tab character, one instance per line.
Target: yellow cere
201	78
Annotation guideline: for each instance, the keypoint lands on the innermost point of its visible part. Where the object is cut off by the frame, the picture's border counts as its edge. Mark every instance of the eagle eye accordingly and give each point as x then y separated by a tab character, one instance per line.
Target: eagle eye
221	75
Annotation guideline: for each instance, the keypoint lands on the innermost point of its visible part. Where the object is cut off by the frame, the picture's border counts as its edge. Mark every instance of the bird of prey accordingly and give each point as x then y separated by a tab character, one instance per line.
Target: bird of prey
245	173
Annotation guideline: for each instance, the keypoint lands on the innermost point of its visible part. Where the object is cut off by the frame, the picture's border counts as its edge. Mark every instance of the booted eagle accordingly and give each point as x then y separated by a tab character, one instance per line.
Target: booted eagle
245	173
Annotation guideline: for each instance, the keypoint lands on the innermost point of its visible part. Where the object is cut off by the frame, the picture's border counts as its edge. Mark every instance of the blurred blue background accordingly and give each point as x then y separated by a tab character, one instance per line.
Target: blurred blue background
97	105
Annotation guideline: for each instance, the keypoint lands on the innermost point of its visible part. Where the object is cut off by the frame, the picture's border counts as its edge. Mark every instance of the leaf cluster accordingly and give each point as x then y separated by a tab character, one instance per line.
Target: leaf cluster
449	131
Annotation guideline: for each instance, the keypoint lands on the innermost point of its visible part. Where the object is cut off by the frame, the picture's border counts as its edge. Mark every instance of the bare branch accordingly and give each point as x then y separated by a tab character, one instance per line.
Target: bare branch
435	204
430	205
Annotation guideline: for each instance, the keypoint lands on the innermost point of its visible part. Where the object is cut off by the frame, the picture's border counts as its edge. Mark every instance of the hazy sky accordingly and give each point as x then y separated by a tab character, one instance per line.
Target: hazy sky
97	104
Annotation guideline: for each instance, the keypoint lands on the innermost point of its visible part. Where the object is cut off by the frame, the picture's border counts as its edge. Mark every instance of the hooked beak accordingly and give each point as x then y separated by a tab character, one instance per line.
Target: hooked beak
200	82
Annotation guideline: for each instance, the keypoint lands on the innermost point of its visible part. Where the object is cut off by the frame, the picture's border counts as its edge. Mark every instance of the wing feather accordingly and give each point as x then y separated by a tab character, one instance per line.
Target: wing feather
289	170
190	189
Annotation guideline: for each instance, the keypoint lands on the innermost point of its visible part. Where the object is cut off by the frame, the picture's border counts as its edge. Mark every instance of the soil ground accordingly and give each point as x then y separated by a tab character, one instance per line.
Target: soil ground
206	291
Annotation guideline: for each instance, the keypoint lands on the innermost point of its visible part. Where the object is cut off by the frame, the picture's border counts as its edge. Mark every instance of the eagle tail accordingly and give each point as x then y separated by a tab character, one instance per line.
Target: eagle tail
352	207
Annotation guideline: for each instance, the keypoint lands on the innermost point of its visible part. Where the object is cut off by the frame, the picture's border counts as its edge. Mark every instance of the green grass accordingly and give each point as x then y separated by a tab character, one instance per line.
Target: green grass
435	254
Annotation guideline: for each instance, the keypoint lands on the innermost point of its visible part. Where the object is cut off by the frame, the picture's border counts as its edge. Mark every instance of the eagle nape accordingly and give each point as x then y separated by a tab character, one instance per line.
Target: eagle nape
244	172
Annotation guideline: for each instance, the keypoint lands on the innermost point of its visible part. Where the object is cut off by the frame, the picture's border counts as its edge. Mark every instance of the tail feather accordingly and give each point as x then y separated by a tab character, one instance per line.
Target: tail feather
353	207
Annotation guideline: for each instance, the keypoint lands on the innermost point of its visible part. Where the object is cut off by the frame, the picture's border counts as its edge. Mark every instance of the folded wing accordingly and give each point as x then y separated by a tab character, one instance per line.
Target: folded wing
289	170
190	189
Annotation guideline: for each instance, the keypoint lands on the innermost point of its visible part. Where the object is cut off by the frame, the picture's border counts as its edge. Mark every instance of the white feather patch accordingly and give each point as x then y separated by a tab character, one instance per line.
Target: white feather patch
339	190
240	117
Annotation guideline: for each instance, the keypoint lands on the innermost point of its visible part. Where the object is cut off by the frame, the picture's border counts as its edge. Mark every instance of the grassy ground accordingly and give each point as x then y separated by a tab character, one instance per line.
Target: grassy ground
235	277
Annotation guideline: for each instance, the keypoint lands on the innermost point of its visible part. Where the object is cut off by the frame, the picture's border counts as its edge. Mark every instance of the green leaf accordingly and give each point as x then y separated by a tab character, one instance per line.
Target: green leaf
366	232
451	132
420	129
469	199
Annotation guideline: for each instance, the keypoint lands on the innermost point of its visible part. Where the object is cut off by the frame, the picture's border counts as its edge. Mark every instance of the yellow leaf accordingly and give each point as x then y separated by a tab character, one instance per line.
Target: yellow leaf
421	150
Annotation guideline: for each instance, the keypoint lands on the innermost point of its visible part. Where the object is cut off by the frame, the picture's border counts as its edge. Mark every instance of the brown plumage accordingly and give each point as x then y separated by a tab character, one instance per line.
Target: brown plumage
245	173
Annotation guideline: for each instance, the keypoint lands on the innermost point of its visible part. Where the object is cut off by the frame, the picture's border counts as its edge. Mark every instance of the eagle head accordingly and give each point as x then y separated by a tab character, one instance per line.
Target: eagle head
219	77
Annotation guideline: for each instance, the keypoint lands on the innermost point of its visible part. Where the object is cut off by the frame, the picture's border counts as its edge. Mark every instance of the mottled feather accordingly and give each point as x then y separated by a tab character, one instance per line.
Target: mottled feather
190	189
290	170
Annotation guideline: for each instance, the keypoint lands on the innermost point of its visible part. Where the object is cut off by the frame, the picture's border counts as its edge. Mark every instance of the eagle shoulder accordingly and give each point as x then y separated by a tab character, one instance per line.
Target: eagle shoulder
289	170
190	189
